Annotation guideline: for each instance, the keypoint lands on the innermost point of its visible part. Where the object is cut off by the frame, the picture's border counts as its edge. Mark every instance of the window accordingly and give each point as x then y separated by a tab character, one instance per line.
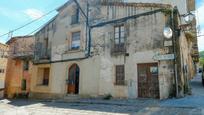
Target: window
1	70
26	65
46	76
118	45
43	76
75	17
75	41
46	46
120	75
23	84
119	34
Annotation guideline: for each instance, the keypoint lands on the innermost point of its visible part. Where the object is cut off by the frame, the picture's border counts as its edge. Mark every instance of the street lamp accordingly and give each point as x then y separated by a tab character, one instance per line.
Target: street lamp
188	18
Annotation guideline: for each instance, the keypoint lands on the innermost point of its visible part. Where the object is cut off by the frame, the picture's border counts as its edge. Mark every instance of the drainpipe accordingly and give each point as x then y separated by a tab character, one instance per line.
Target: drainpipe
175	54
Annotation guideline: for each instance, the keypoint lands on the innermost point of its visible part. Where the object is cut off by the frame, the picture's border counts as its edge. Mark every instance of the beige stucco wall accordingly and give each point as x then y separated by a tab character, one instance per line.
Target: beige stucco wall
97	73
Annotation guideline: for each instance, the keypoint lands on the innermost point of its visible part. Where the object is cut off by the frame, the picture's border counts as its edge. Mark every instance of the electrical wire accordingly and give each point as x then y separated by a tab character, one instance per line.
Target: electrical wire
200	35
28	23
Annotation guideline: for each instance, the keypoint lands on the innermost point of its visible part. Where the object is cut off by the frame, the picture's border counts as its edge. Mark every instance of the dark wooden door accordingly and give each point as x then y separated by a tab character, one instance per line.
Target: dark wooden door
73	80
148	83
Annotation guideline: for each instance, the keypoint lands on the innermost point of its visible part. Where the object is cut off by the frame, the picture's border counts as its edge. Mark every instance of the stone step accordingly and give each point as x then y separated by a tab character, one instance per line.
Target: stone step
71	97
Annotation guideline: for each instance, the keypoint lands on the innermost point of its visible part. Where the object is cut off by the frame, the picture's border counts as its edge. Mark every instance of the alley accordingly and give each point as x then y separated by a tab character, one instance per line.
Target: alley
194	100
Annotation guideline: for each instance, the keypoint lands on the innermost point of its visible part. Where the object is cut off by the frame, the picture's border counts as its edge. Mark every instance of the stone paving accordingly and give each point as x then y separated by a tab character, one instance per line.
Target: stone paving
190	105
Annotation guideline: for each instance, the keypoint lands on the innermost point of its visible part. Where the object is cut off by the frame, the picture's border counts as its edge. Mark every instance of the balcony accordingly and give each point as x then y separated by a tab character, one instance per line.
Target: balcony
42	53
117	49
22	54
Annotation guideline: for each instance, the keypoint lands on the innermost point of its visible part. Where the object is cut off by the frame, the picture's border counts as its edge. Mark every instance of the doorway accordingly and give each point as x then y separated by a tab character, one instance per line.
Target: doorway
73	79
148	82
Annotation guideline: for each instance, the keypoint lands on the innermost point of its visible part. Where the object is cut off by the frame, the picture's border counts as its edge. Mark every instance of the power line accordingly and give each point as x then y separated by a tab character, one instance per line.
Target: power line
200	35
28	23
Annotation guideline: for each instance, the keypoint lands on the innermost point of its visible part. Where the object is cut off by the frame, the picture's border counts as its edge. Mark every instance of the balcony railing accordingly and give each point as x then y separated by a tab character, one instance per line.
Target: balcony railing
42	53
22	54
118	49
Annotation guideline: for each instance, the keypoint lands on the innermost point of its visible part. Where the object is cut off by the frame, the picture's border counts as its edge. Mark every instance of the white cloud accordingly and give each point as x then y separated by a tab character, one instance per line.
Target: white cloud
200	14
34	13
200	22
201	41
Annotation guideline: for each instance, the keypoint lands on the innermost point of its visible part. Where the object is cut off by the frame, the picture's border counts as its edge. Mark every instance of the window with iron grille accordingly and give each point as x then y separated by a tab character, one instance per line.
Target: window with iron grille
75	17
120	75
75	41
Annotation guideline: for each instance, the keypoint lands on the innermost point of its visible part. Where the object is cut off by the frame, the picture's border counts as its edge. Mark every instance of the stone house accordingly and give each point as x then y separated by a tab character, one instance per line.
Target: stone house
114	48
3	64
19	66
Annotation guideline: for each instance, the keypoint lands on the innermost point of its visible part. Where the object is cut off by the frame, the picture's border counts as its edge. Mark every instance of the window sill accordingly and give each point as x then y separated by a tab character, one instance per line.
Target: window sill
42	85
73	51
122	85
73	24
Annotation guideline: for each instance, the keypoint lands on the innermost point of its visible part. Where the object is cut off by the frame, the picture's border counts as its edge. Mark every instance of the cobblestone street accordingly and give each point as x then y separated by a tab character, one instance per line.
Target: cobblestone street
190	105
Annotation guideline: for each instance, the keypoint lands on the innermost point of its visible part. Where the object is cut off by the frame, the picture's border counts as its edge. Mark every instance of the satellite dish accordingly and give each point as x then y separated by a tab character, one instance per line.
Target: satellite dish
189	18
168	33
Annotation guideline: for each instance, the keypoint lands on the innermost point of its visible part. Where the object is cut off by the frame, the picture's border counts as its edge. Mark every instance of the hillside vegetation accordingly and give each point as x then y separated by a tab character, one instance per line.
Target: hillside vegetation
201	57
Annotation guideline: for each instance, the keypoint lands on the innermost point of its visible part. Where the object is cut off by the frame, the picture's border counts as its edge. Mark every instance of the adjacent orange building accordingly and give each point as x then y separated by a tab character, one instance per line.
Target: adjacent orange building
3	64
19	67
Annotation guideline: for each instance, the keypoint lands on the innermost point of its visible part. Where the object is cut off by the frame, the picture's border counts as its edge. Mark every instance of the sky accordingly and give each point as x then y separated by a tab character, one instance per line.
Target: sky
200	22
15	13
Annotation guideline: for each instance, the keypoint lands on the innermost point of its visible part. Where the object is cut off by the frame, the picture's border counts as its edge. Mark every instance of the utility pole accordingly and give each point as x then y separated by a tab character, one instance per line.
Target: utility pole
10	34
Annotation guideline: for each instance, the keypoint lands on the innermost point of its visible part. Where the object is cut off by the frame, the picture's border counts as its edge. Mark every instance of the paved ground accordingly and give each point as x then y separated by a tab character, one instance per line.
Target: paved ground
190	105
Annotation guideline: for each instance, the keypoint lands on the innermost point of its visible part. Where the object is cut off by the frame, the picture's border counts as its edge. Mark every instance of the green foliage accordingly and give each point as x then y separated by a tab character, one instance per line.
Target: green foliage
202	54
201	60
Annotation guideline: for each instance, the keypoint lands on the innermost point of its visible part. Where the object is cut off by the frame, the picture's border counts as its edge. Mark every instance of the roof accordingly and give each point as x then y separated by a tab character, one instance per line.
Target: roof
17	37
51	20
64	5
3	44
58	9
133	4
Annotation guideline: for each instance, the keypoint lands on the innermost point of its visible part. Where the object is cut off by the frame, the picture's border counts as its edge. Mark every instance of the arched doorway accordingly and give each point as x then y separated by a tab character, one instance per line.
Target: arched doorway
73	79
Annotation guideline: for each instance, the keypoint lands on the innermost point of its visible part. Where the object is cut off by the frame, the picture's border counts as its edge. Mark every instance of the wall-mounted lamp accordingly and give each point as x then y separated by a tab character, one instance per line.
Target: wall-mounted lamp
188	18
167	32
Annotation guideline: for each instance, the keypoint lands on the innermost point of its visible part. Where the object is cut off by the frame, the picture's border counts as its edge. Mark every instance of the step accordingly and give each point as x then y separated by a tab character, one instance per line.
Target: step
70	97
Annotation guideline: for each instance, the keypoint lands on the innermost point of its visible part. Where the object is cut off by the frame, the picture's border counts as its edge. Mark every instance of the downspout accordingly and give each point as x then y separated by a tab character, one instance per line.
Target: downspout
175	54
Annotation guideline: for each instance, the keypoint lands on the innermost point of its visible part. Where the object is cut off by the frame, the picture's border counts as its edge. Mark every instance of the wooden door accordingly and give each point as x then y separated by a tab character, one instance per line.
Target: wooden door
73	80
148	83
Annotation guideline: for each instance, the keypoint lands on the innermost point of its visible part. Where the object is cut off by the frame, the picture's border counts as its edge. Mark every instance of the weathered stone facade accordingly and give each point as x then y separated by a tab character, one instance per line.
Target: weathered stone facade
3	64
19	66
143	25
